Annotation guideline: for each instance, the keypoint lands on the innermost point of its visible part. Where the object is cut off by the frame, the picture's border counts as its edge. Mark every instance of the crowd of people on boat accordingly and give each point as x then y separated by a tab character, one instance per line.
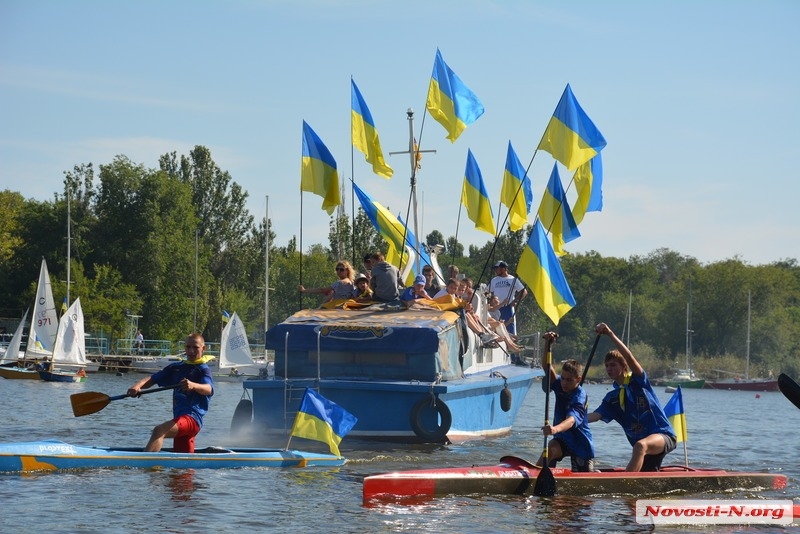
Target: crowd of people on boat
381	282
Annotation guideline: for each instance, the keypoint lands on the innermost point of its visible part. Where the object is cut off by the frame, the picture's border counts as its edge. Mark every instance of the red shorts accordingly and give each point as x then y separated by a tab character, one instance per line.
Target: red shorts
187	430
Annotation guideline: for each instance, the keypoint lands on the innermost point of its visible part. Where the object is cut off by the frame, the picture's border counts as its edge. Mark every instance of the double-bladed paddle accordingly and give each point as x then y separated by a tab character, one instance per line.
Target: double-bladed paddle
92	402
789	388
589	361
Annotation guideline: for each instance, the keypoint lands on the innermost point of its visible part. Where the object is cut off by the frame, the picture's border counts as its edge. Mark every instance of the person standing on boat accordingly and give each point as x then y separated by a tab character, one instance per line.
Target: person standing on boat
570	431
510	291
385	281
634	405
190	399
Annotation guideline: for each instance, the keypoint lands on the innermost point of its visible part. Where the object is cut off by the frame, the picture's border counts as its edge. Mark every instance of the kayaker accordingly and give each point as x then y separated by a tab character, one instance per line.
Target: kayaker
190	399
634	405
570	431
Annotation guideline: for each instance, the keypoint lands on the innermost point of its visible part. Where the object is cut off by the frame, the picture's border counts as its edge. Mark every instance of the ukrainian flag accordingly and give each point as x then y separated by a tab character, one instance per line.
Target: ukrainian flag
589	183
225	316
318	173
516	193
322	420
571	137
539	268
365	136
673	409
555	214
475	198
392	230
64	306
451	102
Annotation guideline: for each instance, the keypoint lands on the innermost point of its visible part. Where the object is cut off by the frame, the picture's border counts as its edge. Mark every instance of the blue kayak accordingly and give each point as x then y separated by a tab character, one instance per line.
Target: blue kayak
53	455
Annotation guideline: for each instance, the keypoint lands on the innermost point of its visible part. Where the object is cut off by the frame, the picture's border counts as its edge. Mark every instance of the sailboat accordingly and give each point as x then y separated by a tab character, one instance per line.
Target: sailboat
42	335
685	378
746	383
9	363
235	360
69	350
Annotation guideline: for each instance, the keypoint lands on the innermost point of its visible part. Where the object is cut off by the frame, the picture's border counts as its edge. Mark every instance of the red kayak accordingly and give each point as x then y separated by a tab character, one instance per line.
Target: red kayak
516	476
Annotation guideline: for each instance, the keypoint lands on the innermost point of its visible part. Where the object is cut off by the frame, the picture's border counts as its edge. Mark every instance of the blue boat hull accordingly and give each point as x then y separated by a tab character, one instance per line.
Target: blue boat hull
54	455
402	411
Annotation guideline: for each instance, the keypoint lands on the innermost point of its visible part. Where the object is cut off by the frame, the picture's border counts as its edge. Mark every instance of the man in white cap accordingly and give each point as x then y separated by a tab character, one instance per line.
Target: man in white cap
510	291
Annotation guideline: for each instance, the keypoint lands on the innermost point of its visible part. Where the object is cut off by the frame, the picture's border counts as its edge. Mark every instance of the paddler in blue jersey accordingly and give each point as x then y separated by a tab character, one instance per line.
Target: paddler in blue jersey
190	399
570	431
634	405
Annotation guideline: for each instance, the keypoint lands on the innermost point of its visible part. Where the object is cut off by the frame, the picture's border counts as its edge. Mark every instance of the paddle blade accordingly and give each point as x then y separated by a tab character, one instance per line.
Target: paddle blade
545	482
88	402
789	388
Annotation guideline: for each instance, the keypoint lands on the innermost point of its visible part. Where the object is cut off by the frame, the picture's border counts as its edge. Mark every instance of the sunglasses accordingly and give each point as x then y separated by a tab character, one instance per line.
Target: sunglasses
340	269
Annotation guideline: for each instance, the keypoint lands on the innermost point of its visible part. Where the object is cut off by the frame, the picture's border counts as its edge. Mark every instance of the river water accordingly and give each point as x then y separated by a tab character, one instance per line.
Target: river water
727	429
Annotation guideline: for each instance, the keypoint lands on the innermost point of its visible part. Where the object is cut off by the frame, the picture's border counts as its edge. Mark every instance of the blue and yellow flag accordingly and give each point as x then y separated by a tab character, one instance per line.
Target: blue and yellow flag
318	173
225	316
475	198
451	102
673	409
589	183
555	214
64	306
392	230
364	134
571	137
538	267
322	420
517	199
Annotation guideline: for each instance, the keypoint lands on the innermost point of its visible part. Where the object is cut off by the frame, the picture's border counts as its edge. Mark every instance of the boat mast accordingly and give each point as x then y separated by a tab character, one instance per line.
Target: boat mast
689	330
414	157
747	361
69	248
266	269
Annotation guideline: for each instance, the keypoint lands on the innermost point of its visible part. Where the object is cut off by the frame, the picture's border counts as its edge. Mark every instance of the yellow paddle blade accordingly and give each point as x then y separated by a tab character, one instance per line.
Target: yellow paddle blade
88	402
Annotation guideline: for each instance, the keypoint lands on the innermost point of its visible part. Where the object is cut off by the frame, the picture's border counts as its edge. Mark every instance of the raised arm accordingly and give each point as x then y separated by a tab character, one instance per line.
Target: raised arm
633	364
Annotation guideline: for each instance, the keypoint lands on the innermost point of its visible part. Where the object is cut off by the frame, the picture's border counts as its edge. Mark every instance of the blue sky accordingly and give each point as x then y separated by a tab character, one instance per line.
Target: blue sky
698	102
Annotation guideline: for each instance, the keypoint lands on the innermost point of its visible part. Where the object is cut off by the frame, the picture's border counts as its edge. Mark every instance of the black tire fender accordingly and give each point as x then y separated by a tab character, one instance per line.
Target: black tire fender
439	434
242	416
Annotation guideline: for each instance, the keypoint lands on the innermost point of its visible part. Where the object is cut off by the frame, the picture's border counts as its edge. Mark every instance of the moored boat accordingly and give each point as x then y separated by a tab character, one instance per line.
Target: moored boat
743	384
25	457
407	375
516	476
69	349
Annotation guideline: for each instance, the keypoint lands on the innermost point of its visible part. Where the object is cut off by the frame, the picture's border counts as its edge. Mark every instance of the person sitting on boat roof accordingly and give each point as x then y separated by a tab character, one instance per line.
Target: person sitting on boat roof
634	405
570	431
362	292
385	281
190	399
450	289
343	288
416	291
432	285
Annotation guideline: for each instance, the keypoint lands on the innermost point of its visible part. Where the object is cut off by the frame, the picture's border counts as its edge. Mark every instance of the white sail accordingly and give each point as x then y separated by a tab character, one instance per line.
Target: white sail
70	345
44	323
12	351
234	349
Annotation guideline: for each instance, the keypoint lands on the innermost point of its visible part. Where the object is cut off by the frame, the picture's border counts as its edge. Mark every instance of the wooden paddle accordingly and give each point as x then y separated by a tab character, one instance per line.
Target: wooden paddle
545	481
789	388
92	402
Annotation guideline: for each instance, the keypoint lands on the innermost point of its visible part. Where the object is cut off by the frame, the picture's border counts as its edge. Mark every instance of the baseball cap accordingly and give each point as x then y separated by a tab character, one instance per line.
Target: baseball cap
500	263
420	280
360	276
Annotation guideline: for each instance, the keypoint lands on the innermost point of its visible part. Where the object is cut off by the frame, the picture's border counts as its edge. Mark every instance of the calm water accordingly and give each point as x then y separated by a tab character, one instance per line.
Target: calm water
726	429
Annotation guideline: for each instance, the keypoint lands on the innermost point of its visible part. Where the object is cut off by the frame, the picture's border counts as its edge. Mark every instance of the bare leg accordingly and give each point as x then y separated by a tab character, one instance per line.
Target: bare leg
167	429
652	444
553	453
